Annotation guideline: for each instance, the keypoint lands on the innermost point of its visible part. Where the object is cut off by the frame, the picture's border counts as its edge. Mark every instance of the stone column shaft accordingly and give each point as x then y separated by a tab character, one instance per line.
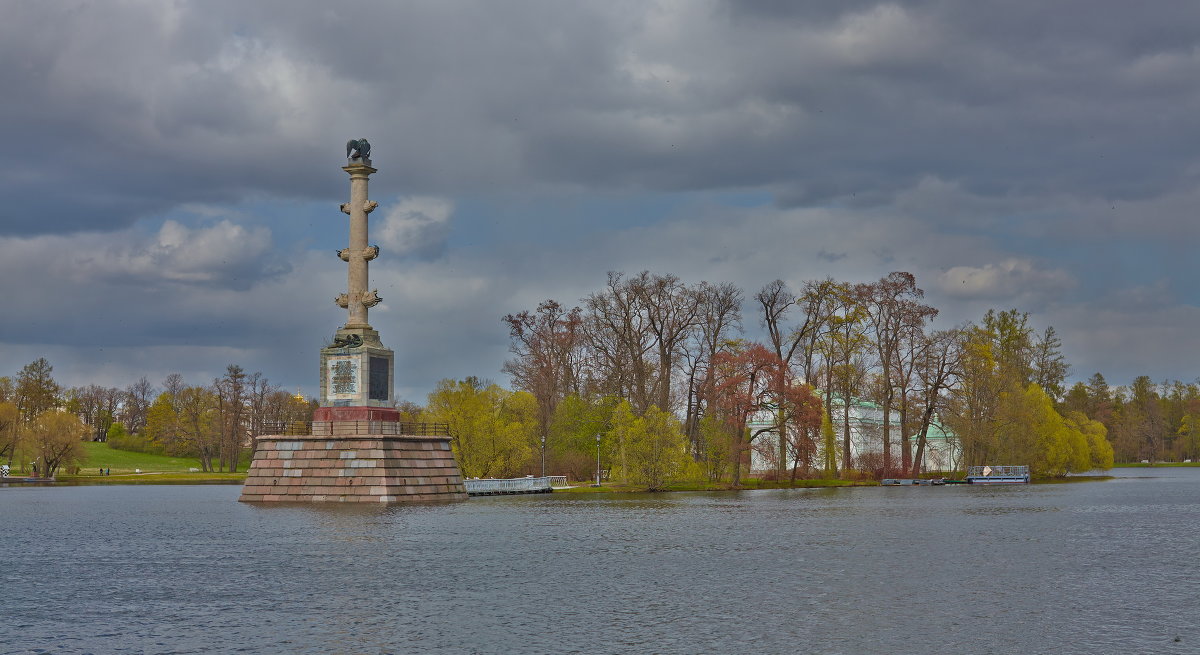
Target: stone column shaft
357	256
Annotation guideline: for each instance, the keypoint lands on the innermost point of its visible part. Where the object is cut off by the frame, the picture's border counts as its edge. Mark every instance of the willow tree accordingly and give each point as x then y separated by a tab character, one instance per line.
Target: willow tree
56	438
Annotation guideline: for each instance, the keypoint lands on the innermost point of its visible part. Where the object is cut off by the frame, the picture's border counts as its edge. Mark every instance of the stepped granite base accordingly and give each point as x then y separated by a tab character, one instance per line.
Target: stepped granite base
353	469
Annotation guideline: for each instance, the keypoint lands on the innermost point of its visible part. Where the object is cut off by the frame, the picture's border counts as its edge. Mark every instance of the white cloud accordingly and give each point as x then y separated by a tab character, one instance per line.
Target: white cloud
224	253
886	34
1004	280
417	226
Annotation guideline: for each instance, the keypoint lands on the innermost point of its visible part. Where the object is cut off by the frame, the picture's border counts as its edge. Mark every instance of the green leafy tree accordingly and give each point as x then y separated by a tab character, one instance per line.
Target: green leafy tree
1189	433
657	449
1100	399
162	421
199	424
1100	452
492	430
1030	431
717	446
1012	345
118	438
623	424
571	446
1076	399
36	390
972	408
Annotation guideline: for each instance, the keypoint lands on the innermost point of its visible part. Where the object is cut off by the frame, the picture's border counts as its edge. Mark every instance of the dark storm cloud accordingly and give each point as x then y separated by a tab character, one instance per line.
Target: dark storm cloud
138	107
1010	153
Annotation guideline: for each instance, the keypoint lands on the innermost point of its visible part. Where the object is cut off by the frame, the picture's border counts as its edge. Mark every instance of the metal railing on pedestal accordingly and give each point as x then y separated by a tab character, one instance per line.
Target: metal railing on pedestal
339	428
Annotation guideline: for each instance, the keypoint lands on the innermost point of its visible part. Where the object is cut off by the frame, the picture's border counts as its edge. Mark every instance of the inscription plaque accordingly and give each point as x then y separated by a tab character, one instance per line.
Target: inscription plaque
377	387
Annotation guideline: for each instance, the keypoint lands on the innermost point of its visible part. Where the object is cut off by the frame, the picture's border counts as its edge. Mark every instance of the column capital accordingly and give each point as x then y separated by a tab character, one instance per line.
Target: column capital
359	169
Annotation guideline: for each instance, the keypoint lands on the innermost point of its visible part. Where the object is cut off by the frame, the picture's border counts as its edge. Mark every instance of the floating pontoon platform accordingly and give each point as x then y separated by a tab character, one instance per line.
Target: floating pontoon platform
998	475
26	480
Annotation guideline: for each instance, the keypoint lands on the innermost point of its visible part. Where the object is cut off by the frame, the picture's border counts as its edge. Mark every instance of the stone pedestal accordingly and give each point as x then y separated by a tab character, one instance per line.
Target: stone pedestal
353	469
357	370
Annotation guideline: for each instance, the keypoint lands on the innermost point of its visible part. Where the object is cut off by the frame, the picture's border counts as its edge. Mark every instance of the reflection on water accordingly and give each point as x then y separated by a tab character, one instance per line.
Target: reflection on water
1074	568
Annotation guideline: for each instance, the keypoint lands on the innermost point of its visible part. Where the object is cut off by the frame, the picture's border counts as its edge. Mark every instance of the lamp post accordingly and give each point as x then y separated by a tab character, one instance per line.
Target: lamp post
543	455
597	459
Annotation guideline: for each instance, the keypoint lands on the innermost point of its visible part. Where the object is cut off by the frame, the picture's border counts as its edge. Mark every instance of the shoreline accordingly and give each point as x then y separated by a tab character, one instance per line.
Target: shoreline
174	478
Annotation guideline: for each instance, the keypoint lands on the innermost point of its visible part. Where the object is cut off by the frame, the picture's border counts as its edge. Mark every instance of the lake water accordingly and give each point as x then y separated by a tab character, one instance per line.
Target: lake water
1098	567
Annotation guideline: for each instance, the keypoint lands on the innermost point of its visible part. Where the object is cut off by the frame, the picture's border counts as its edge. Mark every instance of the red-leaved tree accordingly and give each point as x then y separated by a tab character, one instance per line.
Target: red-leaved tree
750	378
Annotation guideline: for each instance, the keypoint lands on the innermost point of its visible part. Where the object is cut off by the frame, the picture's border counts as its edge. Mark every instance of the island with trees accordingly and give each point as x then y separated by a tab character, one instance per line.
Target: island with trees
652	381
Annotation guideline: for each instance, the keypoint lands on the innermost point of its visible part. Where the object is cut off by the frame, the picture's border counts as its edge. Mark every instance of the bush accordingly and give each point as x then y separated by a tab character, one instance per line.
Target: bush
119	439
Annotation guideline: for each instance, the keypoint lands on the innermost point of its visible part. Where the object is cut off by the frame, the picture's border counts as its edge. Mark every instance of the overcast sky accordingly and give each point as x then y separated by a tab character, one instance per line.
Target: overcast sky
170	180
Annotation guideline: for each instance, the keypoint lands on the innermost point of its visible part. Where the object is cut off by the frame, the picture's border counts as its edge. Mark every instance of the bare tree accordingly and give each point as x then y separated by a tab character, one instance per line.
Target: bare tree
173	384
138	397
9	434
547	345
842	347
620	341
260	393
937	367
891	306
910	349
671	310
720	317
797	340
7	390
231	395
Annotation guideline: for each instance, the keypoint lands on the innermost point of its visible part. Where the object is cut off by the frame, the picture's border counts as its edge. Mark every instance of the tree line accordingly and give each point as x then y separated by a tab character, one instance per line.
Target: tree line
45	423
1145	420
656	378
660	368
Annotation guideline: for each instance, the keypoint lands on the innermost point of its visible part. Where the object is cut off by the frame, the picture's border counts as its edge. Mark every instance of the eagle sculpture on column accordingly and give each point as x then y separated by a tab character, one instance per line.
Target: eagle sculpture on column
358	149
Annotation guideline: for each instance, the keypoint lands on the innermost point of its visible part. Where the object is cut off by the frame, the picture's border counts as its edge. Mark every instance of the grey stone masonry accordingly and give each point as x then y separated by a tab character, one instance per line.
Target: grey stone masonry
358	469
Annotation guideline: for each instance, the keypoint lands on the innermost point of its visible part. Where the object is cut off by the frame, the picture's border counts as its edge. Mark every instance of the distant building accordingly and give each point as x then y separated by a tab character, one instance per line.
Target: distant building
866	437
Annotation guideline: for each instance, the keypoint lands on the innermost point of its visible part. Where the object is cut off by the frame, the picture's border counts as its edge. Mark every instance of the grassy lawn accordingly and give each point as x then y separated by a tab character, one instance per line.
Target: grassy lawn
99	455
155	469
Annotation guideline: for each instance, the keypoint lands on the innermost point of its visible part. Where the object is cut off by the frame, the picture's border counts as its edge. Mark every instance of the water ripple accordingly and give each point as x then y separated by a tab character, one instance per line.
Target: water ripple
1078	568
